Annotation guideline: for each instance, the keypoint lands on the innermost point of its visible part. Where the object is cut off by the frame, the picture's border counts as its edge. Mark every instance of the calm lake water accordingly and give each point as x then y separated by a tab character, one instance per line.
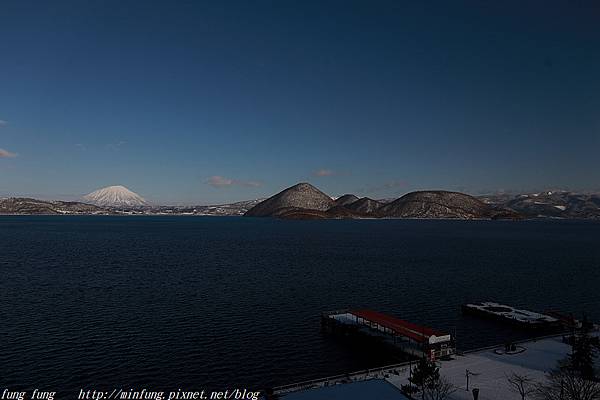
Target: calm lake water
209	302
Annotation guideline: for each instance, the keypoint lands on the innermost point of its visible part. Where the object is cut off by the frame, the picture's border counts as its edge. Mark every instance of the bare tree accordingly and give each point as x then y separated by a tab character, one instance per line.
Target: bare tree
521	384
438	388
567	384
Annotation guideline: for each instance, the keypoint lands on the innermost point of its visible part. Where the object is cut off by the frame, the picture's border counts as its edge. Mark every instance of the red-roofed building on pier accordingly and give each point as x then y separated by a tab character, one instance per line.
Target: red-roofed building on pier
409	337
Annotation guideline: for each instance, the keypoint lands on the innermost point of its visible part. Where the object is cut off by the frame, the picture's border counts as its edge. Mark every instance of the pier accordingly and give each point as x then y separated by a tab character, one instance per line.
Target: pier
406	336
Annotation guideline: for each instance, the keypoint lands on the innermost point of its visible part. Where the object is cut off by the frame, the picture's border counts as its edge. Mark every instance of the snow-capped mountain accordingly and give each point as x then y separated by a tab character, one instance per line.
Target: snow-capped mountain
115	196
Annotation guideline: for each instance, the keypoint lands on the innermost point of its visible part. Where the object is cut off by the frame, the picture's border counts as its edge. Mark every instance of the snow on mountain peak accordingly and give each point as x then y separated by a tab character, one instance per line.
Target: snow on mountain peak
115	196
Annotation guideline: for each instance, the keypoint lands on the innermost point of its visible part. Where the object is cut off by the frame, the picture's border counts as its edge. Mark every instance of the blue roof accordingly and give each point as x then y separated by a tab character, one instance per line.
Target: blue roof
375	389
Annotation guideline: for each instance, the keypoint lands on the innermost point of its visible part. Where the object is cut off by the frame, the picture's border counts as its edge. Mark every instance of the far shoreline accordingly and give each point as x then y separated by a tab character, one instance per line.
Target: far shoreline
306	219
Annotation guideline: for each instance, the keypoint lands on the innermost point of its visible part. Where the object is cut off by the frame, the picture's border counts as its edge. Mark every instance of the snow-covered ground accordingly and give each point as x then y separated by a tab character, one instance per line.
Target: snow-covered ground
488	370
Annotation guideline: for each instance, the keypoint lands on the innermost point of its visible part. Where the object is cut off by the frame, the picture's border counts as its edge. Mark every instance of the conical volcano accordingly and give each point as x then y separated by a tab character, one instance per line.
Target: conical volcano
115	196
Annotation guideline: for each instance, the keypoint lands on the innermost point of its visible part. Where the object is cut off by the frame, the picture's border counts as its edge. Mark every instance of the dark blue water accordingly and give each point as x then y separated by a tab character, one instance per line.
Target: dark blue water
193	302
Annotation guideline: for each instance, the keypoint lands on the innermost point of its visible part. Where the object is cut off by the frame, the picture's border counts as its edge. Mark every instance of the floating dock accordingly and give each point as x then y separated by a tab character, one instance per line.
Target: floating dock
409	338
514	316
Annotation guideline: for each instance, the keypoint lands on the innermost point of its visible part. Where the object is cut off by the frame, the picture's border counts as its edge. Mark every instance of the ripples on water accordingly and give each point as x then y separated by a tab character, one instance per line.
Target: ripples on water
194	302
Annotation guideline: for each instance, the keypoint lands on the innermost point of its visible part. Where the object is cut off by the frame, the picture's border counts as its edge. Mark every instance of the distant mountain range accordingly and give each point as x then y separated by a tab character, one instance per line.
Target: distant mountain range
298	202
26	206
304	201
115	200
224	210
551	204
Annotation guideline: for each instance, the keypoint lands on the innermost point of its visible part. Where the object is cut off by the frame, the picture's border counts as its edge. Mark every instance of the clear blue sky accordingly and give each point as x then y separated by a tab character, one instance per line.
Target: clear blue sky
207	102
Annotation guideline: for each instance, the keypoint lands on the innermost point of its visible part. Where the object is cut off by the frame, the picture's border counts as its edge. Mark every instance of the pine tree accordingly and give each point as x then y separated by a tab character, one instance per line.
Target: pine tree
425	371
582	356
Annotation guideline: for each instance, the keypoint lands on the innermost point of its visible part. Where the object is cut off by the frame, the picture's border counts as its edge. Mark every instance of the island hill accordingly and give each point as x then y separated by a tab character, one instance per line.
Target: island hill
304	201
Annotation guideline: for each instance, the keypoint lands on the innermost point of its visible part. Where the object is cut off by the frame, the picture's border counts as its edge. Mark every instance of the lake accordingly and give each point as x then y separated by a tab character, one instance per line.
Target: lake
226	302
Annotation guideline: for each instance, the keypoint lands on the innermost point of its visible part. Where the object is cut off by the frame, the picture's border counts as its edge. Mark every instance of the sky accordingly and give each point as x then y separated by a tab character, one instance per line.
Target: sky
193	102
